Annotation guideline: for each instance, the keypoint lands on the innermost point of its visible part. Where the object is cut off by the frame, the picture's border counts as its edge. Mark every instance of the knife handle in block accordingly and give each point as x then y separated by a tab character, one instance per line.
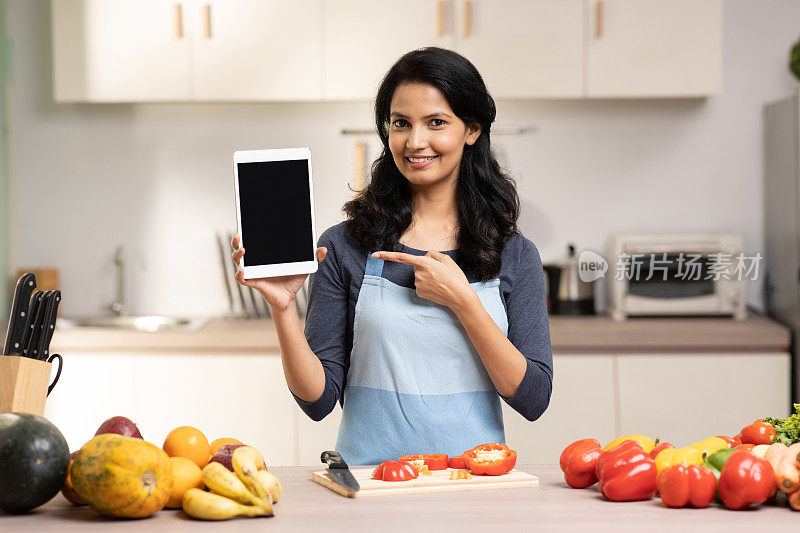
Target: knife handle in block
333	459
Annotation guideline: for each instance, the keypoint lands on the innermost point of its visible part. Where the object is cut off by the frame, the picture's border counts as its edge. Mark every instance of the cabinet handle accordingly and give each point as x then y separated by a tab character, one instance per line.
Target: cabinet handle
177	18
207	21
467	18
598	19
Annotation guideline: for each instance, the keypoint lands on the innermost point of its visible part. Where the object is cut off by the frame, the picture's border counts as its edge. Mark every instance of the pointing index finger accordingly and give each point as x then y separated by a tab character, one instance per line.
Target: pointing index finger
400	257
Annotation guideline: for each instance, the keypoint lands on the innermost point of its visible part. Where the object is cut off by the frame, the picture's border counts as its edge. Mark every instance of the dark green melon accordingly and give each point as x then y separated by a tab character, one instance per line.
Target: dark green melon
33	461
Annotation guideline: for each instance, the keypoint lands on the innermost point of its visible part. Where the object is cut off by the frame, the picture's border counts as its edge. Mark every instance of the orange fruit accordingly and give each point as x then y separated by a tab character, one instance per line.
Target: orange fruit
219	443
185	475
188	442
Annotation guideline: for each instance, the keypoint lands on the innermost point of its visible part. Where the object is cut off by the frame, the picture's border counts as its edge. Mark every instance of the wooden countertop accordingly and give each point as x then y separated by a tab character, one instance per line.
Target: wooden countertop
590	334
603	334
308	507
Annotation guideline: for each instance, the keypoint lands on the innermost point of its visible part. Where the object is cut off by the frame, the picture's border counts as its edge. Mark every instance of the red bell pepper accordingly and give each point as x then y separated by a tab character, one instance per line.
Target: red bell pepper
578	461
759	432
626	473
737	440
745	447
395	471
731	442
458	462
490	459
663	446
746	479
434	461
681	485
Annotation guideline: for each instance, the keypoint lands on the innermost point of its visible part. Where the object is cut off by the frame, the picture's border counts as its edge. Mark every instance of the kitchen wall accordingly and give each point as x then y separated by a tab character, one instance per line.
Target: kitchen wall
158	178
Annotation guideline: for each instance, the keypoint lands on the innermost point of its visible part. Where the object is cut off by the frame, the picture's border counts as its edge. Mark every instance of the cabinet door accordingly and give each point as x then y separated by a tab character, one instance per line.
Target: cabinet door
684	398
226	395
315	437
654	48
524	48
581	406
363	38
92	388
256	49
118	50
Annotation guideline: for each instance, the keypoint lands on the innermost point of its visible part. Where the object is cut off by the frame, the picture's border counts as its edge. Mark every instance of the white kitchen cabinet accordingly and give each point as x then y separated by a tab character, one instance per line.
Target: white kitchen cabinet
582	405
91	389
223	395
118	50
524	48
653	48
363	38
315	437
257	50
151	50
684	398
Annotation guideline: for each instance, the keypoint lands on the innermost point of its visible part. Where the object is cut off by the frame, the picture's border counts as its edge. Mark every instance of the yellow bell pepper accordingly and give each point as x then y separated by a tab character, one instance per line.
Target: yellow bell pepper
691	455
646	443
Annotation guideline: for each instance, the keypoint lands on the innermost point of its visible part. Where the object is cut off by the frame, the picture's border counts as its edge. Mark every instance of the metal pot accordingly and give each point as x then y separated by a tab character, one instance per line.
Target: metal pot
567	294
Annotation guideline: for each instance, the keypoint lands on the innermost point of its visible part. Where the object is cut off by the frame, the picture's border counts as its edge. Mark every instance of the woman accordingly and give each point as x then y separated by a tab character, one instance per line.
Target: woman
418	346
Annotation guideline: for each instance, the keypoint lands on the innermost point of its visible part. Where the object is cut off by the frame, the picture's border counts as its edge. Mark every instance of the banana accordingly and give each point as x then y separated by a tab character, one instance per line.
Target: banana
209	506
225	483
246	462
269	482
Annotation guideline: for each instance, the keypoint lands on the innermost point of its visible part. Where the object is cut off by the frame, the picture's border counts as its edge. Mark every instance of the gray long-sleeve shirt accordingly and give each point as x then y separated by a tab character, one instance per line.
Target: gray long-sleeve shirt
334	291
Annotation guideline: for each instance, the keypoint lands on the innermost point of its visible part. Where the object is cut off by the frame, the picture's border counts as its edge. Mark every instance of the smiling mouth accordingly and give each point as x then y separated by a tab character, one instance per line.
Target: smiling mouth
421	159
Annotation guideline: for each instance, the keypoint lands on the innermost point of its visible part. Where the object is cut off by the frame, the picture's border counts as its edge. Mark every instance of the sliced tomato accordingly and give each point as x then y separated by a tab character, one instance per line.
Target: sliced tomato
395	471
458	462
434	461
490	459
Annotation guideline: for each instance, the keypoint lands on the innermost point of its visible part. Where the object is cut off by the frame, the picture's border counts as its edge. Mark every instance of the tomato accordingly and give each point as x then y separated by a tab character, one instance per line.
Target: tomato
395	471
434	461
745	447
490	459
758	432
458	462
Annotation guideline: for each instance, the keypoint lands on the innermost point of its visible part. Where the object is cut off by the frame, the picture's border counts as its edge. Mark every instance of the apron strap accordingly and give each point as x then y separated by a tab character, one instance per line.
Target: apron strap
374	266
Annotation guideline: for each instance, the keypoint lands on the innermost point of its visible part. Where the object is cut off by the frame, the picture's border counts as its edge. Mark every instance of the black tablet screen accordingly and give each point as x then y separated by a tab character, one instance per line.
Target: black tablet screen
276	212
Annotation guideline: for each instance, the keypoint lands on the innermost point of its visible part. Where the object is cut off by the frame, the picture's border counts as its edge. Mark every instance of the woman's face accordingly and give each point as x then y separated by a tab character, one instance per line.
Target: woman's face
425	137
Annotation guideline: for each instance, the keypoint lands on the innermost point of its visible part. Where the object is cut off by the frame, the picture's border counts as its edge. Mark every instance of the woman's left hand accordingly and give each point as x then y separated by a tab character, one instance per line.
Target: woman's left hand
437	277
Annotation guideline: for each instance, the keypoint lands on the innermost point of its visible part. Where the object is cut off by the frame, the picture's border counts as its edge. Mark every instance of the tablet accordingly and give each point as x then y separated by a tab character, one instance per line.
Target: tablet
275	211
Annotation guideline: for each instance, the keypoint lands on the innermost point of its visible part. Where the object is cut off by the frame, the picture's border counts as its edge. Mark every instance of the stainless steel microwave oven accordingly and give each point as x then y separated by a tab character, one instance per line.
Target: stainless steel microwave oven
677	274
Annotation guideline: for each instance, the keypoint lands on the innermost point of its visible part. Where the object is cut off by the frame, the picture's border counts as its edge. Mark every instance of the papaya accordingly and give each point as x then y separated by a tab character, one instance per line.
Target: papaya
122	476
67	490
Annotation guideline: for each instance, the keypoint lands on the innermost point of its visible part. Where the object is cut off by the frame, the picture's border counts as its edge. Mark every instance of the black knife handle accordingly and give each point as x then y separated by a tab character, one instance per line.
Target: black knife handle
18	319
33	310
333	459
48	324
36	326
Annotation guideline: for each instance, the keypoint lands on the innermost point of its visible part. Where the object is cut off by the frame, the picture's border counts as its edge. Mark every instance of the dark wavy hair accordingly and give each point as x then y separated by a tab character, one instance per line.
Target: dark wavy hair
488	204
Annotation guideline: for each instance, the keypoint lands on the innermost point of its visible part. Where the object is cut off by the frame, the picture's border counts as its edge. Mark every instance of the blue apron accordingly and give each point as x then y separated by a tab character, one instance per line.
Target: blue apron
415	383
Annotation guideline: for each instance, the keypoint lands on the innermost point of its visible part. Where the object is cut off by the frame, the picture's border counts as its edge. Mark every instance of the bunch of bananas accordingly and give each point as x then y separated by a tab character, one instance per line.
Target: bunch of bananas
250	491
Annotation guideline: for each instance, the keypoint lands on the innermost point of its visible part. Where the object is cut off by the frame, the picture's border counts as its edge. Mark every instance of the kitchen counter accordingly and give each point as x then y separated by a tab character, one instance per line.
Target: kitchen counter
307	507
590	334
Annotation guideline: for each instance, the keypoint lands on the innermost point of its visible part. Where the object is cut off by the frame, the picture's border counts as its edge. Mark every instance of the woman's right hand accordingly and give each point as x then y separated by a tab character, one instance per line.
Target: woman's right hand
280	291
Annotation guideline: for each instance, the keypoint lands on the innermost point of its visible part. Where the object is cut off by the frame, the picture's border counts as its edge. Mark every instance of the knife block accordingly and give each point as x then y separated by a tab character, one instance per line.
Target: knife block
23	384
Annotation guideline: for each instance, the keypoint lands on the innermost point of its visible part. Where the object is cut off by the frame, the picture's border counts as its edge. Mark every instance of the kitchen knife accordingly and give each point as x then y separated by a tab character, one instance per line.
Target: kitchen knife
48	325
224	257
339	471
33	307
32	349
18	319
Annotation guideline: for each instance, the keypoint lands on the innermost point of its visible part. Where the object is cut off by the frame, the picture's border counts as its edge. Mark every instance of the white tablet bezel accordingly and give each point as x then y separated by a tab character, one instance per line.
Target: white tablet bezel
279	269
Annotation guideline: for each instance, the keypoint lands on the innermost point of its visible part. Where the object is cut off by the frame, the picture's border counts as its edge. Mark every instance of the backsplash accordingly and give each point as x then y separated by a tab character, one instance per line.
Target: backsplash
157	178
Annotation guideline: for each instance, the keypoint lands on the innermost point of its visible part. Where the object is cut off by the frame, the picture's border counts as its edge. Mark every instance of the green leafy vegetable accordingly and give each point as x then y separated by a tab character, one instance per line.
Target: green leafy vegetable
787	429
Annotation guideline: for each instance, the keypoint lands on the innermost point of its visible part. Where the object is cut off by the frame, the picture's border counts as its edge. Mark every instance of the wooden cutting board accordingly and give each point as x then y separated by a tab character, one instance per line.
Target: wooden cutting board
438	481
